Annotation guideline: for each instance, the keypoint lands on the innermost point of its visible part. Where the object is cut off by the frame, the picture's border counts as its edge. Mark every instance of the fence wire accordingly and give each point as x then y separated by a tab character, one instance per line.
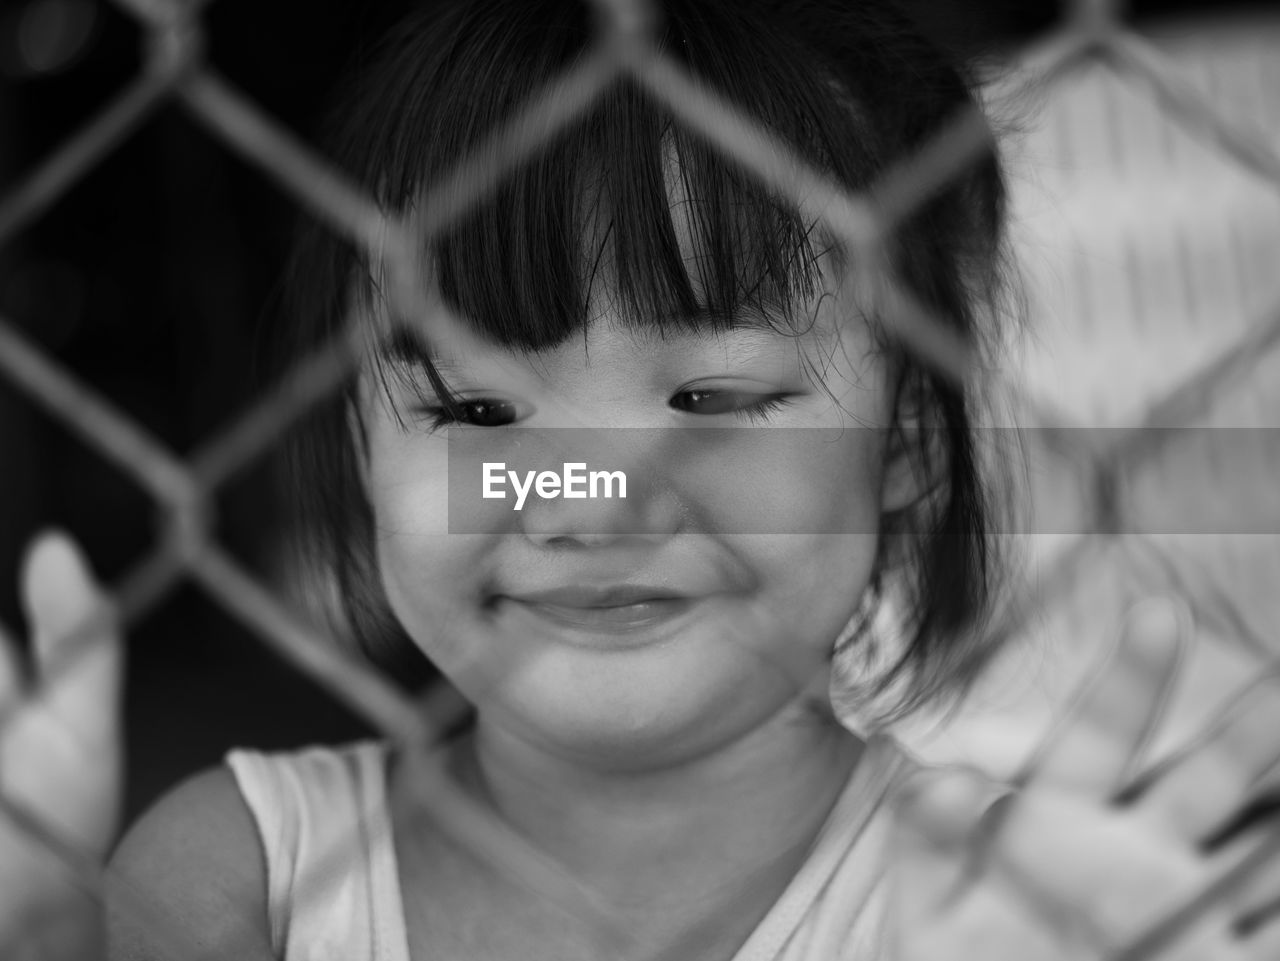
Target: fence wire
1091	33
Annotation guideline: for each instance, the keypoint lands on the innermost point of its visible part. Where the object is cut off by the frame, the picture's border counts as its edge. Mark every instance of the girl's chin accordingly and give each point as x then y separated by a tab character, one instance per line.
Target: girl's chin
644	716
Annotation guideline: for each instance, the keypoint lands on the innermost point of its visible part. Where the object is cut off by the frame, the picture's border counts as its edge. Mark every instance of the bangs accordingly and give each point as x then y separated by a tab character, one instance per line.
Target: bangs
630	214
624	210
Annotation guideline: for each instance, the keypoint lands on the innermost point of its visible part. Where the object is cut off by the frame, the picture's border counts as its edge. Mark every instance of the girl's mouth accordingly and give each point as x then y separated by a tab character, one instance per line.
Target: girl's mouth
620	617
624	610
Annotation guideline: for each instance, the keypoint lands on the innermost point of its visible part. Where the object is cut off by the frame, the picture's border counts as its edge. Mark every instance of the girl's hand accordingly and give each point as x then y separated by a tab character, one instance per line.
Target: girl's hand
1098	845
60	757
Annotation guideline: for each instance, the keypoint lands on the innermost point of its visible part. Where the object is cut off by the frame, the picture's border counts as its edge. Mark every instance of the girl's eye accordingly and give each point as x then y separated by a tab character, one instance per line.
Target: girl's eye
748	406
475	412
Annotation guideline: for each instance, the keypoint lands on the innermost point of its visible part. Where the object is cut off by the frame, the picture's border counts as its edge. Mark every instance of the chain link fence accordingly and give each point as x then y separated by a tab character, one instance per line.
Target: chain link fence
1114	475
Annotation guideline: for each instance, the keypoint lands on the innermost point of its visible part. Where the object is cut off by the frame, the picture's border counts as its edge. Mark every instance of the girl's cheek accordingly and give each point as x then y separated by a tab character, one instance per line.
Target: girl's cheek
430	581
408	483
409	559
407	487
787	481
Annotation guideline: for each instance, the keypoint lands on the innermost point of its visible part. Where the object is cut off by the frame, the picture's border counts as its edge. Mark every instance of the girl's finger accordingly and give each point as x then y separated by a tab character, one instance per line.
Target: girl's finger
939	817
944	806
75	644
1210	909
1256	856
1205	786
1096	746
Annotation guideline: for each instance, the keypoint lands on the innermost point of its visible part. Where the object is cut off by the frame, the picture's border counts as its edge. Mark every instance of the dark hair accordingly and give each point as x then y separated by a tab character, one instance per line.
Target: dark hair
853	88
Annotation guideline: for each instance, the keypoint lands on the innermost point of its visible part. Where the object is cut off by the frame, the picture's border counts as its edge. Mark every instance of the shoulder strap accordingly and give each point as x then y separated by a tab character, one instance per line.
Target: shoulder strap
834	907
333	888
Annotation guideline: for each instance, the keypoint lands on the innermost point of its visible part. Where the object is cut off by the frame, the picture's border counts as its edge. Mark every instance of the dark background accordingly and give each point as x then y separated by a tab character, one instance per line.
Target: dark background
155	279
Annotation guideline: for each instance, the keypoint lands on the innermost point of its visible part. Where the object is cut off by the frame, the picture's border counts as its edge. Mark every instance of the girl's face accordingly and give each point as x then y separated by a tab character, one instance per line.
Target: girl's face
635	632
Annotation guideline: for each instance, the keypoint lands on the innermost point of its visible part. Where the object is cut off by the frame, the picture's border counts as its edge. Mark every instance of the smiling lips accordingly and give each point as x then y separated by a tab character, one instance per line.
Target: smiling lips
620	609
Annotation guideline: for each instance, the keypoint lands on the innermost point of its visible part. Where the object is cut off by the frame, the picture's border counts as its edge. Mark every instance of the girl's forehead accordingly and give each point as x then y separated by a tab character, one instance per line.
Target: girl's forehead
760	343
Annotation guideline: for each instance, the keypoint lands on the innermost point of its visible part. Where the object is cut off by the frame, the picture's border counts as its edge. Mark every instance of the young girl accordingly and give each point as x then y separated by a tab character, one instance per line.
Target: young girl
653	677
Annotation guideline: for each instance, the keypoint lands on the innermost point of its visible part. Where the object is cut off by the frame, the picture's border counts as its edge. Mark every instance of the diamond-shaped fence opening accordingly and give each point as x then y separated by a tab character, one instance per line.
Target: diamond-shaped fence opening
1155	287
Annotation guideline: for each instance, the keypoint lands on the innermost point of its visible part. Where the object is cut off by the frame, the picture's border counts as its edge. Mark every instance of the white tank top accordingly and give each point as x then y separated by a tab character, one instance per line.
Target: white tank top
312	802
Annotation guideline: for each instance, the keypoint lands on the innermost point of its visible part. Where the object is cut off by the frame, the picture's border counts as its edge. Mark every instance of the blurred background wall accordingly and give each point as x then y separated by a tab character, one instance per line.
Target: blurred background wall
156	277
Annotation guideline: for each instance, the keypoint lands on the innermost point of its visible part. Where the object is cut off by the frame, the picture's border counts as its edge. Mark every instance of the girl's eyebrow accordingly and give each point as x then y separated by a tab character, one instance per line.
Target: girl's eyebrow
766	317
405	347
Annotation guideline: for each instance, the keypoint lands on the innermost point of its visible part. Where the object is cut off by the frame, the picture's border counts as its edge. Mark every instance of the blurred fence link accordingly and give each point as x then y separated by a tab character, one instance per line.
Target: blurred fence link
1090	34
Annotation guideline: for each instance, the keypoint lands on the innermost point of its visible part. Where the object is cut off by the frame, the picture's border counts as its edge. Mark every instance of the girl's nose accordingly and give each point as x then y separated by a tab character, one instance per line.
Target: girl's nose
621	490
